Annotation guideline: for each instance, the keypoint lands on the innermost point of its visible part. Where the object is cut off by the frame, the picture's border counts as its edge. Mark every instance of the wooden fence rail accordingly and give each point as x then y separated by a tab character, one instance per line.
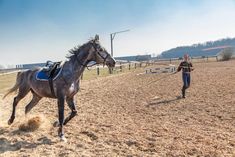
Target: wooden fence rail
123	67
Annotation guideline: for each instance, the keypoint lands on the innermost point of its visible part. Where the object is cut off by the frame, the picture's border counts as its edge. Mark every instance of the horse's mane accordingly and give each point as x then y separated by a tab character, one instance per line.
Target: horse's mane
74	51
77	49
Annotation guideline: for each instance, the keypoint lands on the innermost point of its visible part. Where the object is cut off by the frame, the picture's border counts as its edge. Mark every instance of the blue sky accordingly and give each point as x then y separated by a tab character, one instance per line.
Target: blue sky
40	30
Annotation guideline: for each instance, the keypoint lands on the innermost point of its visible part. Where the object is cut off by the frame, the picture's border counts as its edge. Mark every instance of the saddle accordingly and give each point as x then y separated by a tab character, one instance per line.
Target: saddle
49	73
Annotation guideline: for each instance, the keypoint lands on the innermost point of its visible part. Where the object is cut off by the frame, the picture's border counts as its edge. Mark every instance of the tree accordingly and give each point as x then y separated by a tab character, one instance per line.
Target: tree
2	67
227	53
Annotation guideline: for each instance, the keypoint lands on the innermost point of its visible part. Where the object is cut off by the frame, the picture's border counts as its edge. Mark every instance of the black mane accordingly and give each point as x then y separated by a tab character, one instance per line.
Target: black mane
74	51
77	49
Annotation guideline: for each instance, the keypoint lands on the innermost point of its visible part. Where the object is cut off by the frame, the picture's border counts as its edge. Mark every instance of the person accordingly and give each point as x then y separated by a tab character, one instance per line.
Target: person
186	67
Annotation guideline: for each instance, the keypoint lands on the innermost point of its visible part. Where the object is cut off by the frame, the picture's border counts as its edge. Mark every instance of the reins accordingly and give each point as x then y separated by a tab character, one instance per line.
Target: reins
154	81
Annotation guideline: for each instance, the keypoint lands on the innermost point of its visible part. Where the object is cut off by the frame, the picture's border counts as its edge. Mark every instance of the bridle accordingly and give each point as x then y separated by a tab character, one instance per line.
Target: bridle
98	52
104	58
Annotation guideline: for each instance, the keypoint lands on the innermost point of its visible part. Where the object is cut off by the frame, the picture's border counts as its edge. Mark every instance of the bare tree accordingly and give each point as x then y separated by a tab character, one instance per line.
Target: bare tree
227	53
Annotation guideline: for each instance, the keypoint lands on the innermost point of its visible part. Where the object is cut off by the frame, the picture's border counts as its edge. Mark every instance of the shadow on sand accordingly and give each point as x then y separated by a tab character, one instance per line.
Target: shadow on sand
15	145
156	103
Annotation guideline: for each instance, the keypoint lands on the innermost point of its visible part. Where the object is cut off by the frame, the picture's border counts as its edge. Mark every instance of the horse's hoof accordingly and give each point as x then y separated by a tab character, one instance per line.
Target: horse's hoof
10	121
63	138
56	124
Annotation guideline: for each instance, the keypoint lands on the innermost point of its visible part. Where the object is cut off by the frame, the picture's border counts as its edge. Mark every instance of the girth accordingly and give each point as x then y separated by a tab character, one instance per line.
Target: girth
50	77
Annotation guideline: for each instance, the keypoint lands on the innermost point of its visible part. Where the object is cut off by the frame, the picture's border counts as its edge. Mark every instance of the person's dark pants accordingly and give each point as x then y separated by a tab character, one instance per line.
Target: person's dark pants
186	80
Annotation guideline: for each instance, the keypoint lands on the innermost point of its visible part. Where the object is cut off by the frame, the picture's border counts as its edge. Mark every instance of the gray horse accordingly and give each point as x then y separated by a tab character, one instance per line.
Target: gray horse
65	86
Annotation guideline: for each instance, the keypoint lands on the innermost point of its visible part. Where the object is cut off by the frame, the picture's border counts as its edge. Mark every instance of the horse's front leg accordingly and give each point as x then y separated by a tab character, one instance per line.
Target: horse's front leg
61	100
71	104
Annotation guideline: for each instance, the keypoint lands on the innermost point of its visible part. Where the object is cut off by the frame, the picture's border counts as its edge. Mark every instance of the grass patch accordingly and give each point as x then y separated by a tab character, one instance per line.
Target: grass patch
7	81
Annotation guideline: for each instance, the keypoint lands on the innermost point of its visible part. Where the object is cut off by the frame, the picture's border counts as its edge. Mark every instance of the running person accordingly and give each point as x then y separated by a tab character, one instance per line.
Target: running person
186	67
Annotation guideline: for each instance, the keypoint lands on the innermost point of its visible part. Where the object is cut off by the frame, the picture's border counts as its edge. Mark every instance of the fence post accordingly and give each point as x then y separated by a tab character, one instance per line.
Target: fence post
129	66
217	58
98	71
120	67
207	58
135	65
110	70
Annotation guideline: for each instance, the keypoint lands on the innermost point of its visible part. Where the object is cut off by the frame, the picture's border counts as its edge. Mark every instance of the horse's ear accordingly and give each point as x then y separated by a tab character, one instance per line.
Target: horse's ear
97	37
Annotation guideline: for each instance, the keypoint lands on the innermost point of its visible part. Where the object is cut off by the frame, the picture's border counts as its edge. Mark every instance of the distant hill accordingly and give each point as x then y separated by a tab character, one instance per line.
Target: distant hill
209	48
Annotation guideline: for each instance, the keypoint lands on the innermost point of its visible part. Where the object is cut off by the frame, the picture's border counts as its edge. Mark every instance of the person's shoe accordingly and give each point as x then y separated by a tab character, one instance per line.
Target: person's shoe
183	93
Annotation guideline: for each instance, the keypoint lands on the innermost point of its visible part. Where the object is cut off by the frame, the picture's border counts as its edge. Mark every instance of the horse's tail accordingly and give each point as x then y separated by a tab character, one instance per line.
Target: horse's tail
19	80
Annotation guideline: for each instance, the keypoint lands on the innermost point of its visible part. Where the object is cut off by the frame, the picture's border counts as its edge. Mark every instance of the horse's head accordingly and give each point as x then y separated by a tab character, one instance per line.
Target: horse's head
99	53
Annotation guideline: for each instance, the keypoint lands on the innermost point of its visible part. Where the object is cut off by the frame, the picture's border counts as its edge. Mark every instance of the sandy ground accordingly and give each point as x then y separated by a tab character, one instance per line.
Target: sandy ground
124	115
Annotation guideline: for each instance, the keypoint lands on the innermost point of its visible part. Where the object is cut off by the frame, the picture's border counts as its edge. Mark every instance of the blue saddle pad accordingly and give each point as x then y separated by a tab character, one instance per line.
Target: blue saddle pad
43	75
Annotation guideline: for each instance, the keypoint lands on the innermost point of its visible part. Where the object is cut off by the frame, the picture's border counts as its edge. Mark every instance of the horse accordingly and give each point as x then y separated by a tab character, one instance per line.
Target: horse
65	85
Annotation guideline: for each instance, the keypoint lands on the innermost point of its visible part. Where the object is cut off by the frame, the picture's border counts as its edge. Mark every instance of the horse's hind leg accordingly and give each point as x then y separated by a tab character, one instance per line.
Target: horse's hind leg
33	102
60	102
71	104
22	93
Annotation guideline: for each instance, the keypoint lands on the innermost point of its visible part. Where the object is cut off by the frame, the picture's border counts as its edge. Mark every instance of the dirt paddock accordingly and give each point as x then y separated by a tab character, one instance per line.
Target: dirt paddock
121	115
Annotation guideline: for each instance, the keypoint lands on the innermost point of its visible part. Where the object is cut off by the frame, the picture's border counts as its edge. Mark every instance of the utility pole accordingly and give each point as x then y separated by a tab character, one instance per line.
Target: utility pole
112	36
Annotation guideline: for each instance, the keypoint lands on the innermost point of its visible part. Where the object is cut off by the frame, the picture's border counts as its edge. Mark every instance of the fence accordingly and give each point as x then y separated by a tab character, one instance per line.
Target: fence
8	71
193	60
169	69
125	67
119	68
